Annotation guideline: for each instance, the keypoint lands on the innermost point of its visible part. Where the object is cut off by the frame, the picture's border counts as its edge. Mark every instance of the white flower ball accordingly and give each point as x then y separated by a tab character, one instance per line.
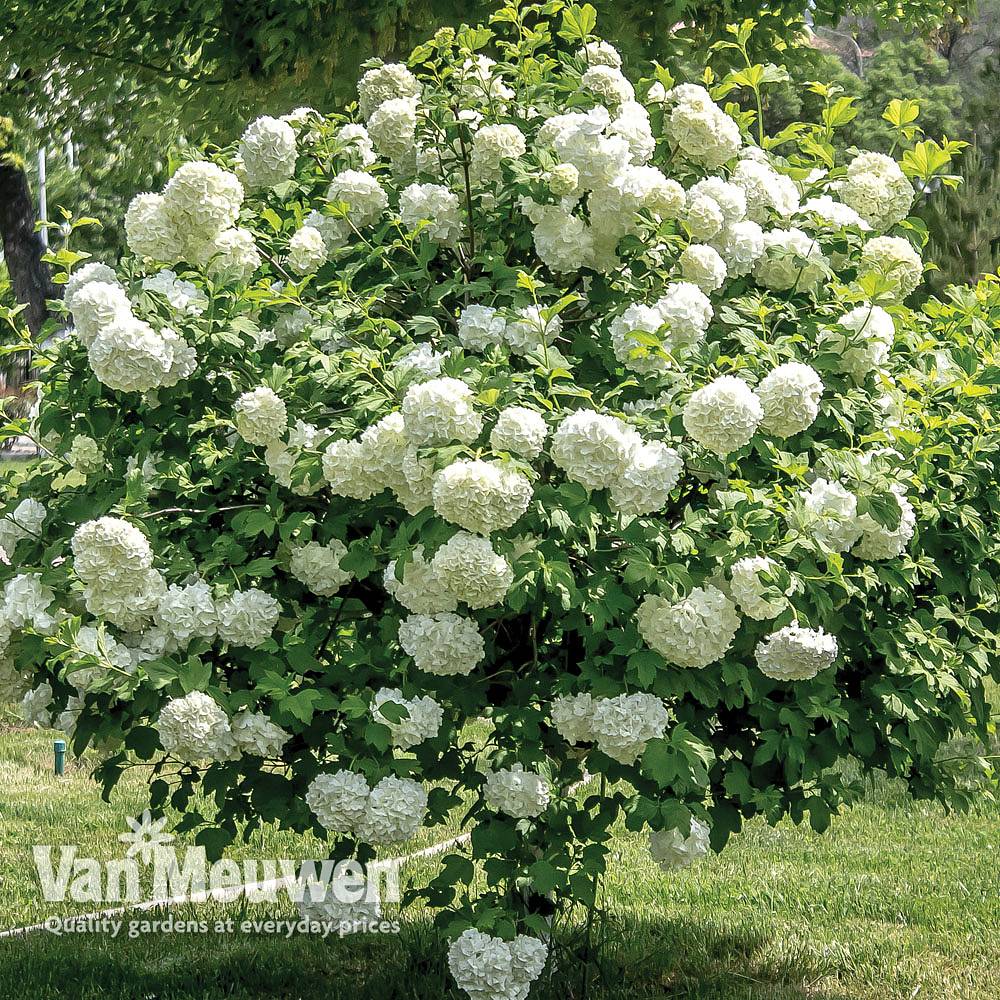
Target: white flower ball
26	601
529	330
365	197
256	734
347	472
631	351
749	591
652	472
393	128
421	590
632	125
730	198
563	180
188	612
317	566
516	792
600	53
201	200
692	632
130	356
622	726
790	396
85	455
697	126
183	297
306	251
703	266
358	144
723	416
671	850
260	416
765	189
893	258
494	145
338	800
792	260
96	306
877	189
481	496
573	717
267	152
385	82
703	217
24	521
469	568
862	340
831	515
445	644
795	654
607	84
36	707
440	412
879	542
394	812
435	205
520	431
88	274
480	327
827	211
423	721
594	449
247	617
741	246
562	240
196	727
149	231
232	255
110	551
489	968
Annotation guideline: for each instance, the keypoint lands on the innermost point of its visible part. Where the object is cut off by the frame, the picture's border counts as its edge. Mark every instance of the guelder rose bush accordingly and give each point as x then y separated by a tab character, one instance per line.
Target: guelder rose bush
520	392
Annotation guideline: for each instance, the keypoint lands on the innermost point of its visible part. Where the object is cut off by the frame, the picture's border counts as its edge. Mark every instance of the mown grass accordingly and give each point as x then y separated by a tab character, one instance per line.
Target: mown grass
898	901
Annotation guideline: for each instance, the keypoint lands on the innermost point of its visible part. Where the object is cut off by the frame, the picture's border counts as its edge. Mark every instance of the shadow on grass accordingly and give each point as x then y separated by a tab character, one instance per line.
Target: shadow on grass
676	959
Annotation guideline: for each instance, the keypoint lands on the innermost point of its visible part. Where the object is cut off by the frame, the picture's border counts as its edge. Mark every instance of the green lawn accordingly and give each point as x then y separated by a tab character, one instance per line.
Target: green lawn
898	901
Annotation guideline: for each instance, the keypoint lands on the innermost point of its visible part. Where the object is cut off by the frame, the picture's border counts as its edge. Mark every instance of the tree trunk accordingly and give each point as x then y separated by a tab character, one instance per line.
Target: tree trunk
22	246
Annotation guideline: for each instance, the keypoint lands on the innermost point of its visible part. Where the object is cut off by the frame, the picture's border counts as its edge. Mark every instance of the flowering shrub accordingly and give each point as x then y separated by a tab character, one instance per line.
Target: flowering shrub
521	392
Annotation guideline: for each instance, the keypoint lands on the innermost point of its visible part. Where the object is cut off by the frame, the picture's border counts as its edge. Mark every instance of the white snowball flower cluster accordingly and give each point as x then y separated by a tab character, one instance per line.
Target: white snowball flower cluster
434	206
489	968
26	602
741	246
892	258
861	340
267	152
357	143
422	362
114	561
393	129
789	396
714	205
481	496
571	717
494	145
365	198
699	128
562	240
766	191
439	412
600	53
306	250
195	728
671	850
317	566
338	799
516	792
724	415
420	590
445	644
831	515
148	230
36	707
188	612
593	449
480	327
24	521
256	734
750	592
520	431
469	567
792	260
528	330
645	484
703	266
877	189
880	542
622	726
795	654
184	297
247	617
200	201
87	274
96	306
232	255
422	722
260	416
608	84
281	456
129	355
828	212
85	455
693	632
383	83
394	811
